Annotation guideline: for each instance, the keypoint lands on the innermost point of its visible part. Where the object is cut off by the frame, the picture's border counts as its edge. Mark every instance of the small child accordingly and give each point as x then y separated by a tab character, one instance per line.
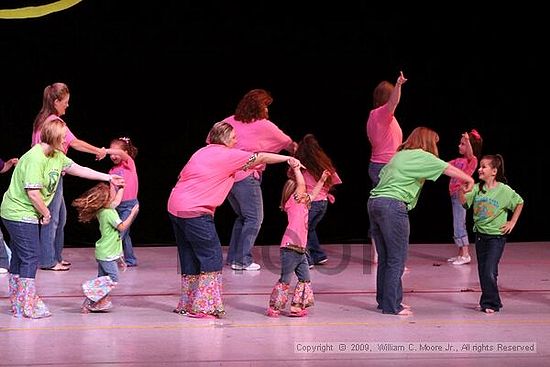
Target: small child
491	200
311	155
99	202
470	151
123	152
295	201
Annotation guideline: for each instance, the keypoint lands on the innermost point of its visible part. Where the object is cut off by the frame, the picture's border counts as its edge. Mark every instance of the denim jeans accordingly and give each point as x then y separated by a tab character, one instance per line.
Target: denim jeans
316	213
489	250
109	267
199	248
246	200
123	210
52	235
293	262
389	219
4	255
460	233
24	243
374	172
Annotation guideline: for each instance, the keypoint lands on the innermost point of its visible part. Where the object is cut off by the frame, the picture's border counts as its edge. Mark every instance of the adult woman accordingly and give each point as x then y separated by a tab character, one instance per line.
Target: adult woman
54	104
25	209
202	186
255	133
401	181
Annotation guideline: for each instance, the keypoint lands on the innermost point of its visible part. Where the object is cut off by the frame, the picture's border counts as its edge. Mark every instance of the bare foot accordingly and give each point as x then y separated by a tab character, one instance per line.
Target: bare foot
405	312
489	310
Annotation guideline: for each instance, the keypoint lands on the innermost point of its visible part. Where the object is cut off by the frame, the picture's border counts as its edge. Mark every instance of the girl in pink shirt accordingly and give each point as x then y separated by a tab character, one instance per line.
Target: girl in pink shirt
123	152
469	149
295	201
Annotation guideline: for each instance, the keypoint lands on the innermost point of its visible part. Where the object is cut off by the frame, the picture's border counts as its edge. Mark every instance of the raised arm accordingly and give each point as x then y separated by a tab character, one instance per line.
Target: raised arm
319	185
124	225
395	95
123	155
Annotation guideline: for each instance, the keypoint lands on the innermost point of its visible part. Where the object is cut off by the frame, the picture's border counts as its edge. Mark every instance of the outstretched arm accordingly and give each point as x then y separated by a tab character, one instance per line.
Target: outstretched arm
9	164
452	171
85	172
82	146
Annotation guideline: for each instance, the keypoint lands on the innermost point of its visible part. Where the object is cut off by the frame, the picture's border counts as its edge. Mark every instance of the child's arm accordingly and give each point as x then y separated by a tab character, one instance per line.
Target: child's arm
320	183
128	221
469	152
300	182
118	198
508	226
125	156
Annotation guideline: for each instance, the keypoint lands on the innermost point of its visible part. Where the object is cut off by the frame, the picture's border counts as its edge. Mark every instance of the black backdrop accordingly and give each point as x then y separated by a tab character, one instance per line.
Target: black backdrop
164	73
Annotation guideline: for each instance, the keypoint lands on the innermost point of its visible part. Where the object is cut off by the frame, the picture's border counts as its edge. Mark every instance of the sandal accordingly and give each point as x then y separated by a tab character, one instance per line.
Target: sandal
65	263
57	267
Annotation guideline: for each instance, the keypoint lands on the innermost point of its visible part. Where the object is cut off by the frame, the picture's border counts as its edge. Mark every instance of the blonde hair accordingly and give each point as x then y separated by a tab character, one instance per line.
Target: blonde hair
220	133
53	133
422	138
92	201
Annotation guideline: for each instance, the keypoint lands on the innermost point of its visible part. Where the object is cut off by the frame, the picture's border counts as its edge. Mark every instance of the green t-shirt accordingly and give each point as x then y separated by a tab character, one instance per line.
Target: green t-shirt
404	175
109	246
491	208
33	171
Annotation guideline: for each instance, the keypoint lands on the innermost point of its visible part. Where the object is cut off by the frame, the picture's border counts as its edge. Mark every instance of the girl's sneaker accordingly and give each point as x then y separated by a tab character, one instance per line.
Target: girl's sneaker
300	313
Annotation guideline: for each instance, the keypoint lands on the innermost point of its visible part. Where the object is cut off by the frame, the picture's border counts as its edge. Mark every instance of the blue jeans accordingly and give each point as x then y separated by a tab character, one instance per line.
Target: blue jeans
293	262
316	213
24	242
460	233
389	219
52	235
199	247
489	250
109	268
123	210
246	200
4	255
374	172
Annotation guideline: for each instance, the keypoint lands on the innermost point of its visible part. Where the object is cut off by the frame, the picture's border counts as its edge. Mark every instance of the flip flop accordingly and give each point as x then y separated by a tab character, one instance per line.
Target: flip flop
55	268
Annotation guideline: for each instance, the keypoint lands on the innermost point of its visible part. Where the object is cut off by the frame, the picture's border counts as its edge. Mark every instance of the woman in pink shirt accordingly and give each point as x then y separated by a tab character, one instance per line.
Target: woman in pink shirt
383	131
203	185
54	104
255	133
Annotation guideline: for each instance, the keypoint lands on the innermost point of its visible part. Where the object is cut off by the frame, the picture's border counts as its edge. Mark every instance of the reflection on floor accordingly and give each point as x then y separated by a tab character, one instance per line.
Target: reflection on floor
344	326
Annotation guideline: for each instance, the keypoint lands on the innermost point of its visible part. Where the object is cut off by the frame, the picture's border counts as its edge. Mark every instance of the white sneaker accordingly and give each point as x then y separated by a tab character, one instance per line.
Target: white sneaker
3	270
462	260
250	267
452	259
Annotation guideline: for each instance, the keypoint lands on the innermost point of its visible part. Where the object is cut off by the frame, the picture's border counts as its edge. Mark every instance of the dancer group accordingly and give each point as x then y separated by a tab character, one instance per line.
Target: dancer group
230	166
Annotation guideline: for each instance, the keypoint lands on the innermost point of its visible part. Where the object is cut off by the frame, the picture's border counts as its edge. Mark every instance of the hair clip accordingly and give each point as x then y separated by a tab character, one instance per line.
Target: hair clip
475	133
125	139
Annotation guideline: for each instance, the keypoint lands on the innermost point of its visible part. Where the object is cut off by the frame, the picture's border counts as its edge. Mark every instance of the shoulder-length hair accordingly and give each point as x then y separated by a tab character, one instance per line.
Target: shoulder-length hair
53	133
253	106
422	138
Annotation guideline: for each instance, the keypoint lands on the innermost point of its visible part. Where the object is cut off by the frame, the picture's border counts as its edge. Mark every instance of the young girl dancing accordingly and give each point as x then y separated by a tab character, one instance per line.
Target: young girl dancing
100	202
295	202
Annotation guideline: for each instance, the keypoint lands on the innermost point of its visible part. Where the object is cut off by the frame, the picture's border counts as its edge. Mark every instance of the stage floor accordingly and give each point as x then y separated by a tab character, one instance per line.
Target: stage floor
343	326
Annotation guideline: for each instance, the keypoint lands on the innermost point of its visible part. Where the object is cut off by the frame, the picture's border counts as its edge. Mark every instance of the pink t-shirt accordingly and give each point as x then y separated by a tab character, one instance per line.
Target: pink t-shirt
323	194
296	230
468	167
127	169
384	134
258	136
205	180
68	138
